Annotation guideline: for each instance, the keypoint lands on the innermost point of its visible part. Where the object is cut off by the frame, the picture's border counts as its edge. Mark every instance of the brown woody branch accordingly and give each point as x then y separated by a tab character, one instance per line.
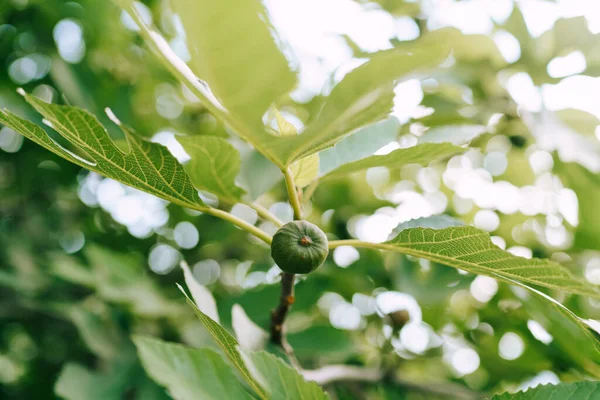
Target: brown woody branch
278	314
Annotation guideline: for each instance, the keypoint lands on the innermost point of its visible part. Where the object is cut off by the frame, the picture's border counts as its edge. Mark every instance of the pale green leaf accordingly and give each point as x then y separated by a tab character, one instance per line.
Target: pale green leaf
285	128
472	250
188	373
76	382
254	165
281	381
100	335
249	335
120	278
305	170
571	334
202	296
364	96
234	48
359	145
456	134
229	346
586	185
213	166
231	31
579	120
147	166
420	154
586	390
469	48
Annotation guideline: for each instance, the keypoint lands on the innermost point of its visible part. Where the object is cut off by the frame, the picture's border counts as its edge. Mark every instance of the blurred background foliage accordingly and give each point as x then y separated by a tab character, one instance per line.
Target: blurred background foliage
85	261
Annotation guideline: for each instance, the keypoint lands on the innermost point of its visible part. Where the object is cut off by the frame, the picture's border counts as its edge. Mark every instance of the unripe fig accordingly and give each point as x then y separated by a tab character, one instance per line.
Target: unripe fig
299	247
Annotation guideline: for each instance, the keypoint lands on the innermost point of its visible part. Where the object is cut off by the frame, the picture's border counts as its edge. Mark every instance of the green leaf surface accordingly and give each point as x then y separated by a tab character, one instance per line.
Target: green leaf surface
203	298
76	382
255	164
282	381
579	120
420	154
435	222
362	144
571	334
214	165
229	346
249	335
472	250
469	48
147	166
456	134
586	185
188	373
586	390
305	170
234	48
364	96
100	335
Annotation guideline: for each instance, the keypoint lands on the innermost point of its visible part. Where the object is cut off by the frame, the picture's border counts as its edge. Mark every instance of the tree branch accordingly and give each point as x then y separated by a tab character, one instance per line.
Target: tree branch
278	314
341	373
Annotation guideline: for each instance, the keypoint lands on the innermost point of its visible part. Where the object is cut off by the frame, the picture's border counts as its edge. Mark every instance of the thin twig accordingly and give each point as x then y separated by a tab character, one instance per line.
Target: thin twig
339	373
265	214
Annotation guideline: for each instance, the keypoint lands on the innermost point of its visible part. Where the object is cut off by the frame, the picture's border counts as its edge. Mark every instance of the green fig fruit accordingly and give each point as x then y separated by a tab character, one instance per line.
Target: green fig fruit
299	247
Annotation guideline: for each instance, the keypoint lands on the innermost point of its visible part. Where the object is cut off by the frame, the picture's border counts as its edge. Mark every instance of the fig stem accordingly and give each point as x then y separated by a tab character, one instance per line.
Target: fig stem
293	194
278	315
240	223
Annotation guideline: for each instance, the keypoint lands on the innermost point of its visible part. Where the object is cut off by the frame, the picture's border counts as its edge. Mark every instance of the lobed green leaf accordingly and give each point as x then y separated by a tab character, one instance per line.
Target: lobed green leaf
364	96
147	166
214	165
472	250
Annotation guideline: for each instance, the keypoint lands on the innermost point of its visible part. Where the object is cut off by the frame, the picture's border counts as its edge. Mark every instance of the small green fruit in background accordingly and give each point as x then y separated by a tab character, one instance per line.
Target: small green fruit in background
299	247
